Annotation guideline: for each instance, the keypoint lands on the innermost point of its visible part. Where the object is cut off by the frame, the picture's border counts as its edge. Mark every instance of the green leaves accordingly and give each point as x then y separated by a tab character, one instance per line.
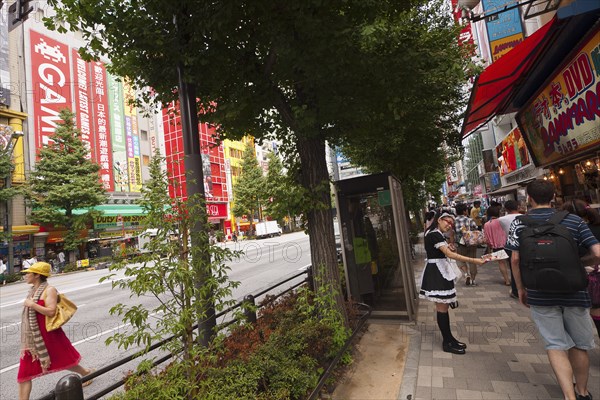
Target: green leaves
64	179
186	280
249	189
284	196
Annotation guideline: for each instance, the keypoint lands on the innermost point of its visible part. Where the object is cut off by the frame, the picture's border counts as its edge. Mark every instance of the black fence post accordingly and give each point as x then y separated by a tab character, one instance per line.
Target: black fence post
250	309
69	388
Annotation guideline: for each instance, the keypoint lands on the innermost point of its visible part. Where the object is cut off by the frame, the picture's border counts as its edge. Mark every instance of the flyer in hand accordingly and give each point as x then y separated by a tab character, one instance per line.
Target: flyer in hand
497	255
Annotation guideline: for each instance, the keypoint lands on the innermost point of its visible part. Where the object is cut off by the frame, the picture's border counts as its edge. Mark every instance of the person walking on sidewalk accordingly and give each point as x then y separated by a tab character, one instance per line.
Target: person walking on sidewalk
464	223
43	352
562	319
496	239
437	281
476	214
592	217
512	212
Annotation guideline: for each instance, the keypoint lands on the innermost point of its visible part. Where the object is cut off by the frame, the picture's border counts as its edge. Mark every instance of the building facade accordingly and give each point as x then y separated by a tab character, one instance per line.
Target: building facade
539	68
41	74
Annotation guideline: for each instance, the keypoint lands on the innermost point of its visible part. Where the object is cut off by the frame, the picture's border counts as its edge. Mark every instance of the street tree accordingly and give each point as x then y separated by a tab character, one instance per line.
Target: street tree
249	189
305	72
282	192
168	269
65	184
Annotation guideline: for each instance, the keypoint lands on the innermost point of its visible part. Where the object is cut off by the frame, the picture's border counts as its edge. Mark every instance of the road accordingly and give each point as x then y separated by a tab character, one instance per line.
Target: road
263	263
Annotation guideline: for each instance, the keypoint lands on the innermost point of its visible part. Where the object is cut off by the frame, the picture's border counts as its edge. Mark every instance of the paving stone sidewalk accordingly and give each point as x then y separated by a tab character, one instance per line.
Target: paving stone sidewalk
505	358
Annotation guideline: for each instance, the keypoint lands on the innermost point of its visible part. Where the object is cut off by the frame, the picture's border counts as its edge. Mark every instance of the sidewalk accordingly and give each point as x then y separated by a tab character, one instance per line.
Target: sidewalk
505	357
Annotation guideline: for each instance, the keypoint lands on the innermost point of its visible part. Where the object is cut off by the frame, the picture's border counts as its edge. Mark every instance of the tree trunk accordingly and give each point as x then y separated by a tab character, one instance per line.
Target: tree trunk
315	179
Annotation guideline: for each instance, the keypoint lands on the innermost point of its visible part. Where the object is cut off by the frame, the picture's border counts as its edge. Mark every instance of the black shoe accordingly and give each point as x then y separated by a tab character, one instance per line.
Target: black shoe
586	397
452	348
459	345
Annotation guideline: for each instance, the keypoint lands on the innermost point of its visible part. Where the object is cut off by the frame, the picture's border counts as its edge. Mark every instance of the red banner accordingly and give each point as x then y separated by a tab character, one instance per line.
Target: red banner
50	81
216	210
466	35
82	102
102	124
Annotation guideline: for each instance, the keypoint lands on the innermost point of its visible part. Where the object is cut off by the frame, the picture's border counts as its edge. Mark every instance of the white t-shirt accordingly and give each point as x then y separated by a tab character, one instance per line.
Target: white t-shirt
506	220
61	257
2	267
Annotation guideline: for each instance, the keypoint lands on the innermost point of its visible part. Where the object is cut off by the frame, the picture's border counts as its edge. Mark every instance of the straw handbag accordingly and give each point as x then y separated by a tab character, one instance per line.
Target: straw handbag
65	309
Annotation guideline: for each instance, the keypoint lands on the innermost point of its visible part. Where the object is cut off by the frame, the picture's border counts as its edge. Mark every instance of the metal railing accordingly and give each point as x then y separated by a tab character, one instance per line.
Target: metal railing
327	373
70	386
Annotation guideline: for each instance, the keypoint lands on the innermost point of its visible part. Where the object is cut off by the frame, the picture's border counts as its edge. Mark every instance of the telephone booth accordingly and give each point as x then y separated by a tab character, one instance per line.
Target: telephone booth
376	247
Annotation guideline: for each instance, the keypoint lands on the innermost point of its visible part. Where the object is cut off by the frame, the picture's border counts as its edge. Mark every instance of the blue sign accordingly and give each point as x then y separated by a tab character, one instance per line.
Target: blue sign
503	24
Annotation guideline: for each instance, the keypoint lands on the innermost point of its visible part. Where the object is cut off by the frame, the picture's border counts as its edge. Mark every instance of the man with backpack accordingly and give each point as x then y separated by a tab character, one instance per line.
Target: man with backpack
551	281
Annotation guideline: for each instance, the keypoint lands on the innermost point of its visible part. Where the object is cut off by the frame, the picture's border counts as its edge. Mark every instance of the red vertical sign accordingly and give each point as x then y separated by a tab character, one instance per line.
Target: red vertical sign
83	102
102	124
466	35
51	79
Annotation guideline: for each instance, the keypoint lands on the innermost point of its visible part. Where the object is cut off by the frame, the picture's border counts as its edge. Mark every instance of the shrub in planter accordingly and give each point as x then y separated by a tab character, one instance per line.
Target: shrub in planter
14	277
280	357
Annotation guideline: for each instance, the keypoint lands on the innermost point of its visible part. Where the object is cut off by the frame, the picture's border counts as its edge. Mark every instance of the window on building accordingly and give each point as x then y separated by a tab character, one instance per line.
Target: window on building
146	160
144	135
235	153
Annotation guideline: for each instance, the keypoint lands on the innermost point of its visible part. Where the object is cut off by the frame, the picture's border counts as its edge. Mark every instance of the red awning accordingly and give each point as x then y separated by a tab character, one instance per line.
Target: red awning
494	86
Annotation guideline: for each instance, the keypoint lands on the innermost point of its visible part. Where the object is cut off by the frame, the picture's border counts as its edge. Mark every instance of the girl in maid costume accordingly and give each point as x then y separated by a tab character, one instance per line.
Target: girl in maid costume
437	282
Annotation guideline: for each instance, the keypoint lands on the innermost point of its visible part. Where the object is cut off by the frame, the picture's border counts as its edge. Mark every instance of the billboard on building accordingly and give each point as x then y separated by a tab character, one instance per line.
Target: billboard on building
466	35
452	175
488	161
563	118
4	66
504	29
117	130
51	80
512	153
101	121
83	102
134	166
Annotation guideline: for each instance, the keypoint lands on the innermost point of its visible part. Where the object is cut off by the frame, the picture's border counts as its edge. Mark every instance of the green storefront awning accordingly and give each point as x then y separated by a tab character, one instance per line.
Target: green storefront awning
113	210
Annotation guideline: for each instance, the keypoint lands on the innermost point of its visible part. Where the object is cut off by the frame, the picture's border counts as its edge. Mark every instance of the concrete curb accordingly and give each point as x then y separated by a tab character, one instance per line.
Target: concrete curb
408	388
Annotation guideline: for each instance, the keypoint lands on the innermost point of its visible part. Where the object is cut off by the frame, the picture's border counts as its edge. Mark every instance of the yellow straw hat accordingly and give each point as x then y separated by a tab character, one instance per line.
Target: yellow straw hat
40	267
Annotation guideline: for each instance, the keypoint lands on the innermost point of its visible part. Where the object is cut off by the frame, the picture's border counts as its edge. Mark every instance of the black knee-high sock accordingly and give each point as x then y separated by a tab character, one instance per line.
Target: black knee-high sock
443	320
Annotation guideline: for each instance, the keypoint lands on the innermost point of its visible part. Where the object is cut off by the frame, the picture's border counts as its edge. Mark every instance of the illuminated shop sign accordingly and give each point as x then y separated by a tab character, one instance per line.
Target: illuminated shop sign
512	153
563	119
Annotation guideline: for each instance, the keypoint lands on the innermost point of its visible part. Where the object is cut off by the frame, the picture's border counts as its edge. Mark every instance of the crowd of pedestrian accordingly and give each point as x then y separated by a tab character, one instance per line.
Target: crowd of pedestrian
565	318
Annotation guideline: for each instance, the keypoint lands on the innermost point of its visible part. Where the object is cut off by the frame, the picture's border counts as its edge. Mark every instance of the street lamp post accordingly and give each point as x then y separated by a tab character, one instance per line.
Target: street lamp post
10	138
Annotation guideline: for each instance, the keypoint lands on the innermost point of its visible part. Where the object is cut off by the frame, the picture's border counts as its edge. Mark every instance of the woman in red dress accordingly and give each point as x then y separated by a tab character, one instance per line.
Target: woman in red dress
43	352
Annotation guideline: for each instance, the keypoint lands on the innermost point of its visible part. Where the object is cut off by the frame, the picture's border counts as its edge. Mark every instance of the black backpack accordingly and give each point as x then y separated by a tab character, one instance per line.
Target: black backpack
549	256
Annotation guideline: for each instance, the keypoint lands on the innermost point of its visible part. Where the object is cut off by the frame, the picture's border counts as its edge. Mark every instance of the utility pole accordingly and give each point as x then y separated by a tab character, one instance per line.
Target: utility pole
10	137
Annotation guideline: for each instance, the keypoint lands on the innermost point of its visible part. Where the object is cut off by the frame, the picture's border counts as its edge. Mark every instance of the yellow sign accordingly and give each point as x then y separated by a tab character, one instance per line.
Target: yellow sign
502	46
113	221
563	119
